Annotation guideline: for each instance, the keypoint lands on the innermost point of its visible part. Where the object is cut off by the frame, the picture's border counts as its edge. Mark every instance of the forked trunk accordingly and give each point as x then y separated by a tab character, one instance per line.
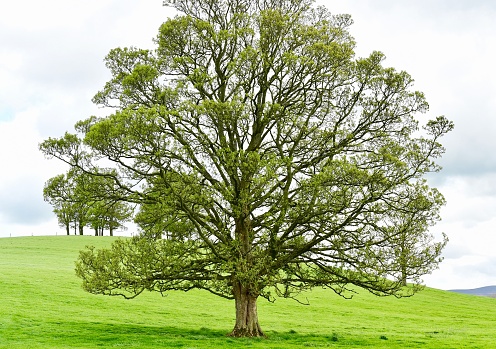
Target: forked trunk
246	313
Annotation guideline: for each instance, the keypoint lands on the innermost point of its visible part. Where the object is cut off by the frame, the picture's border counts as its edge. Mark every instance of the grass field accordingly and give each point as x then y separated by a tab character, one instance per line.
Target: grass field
43	306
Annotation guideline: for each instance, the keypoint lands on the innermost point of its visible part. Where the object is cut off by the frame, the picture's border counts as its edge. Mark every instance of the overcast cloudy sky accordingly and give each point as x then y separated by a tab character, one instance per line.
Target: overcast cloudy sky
51	64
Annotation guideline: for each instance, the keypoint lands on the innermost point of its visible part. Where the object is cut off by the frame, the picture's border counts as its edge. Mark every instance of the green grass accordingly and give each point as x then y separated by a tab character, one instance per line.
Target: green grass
43	306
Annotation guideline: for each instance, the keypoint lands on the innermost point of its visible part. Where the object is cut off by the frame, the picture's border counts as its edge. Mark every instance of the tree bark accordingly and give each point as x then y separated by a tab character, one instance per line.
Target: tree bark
403	274
403	260
246	313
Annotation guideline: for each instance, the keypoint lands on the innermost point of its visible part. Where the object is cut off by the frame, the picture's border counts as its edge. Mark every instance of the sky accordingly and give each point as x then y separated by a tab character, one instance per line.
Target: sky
51	65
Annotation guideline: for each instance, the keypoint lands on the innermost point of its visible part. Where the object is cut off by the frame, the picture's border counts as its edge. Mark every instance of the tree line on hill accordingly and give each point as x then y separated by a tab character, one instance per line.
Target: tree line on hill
80	201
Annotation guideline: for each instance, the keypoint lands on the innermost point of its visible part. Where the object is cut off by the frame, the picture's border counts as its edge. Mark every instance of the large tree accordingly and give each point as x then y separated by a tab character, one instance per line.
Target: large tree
269	158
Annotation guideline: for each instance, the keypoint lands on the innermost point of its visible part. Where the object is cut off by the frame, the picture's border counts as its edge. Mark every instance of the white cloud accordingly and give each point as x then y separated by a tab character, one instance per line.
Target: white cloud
466	272
24	171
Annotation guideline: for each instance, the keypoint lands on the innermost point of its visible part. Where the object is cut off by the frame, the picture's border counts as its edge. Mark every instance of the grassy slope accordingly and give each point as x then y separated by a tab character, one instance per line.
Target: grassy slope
43	306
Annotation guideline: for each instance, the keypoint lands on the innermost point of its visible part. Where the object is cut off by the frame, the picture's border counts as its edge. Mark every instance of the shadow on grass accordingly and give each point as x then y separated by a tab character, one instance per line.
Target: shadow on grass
113	335
118	334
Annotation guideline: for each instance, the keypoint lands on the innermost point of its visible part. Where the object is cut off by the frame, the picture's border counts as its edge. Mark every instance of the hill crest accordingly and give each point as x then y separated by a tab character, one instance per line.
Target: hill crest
486	291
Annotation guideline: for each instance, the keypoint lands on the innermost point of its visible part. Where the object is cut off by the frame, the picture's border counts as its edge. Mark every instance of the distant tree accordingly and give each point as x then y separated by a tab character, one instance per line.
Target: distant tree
65	215
54	193
69	205
269	158
105	215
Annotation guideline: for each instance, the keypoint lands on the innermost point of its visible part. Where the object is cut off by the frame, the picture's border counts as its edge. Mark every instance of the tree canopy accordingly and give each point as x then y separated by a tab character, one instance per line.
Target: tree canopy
265	157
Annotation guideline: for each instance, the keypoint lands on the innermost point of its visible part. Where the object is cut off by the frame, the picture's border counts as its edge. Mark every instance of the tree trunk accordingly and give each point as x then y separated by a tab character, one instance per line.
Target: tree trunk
403	275
246	313
67	229
403	261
